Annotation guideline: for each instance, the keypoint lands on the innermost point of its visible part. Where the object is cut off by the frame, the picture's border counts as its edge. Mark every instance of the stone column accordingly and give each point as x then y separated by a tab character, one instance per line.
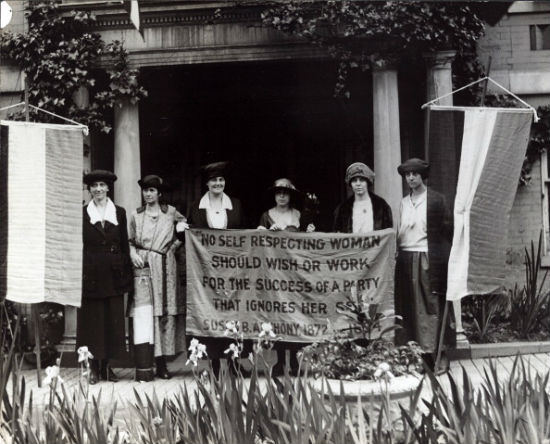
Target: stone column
439	76
127	163
438	83
387	139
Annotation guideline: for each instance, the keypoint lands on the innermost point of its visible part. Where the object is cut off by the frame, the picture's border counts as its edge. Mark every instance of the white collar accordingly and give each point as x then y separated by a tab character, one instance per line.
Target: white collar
204	203
110	213
421	198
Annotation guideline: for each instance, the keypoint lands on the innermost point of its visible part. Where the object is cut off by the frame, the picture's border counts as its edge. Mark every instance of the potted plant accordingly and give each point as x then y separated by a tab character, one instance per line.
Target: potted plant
363	361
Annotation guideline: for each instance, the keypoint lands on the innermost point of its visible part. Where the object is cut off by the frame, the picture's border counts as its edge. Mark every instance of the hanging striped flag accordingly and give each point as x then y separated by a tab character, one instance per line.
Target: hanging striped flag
132	6
40	212
476	155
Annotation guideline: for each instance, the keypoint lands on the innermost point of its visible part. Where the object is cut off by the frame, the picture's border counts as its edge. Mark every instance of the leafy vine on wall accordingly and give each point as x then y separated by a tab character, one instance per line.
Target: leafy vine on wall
59	56
344	28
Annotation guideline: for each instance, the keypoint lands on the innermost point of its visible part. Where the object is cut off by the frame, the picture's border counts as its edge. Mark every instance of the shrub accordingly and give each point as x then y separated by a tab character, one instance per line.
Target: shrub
530	304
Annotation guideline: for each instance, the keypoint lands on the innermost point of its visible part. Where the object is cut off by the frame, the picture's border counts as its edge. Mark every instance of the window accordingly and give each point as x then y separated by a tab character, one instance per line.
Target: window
540	37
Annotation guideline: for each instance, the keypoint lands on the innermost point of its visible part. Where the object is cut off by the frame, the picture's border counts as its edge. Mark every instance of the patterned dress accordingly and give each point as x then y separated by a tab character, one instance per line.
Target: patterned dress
154	239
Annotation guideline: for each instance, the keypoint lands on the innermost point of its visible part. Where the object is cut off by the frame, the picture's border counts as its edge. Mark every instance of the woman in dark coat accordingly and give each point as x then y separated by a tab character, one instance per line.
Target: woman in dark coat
424	242
216	210
106	276
364	211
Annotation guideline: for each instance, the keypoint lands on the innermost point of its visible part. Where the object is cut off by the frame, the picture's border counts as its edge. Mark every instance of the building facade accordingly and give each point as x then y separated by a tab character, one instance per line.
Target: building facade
223	87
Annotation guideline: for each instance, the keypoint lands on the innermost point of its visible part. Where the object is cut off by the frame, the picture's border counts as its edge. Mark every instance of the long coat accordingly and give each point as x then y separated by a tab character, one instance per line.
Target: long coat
158	249
106	267
343	215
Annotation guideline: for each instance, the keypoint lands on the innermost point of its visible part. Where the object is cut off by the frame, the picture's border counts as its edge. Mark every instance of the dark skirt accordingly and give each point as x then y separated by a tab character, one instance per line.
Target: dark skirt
101	327
420	308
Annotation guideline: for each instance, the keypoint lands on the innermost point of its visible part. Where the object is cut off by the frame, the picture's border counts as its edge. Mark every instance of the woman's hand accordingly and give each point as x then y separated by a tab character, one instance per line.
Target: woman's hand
136	259
181	226
310	228
276	227
261	227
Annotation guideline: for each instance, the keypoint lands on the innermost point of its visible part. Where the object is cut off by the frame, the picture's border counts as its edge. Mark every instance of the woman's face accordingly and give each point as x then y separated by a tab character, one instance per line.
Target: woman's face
414	180
359	185
216	185
151	195
282	198
99	190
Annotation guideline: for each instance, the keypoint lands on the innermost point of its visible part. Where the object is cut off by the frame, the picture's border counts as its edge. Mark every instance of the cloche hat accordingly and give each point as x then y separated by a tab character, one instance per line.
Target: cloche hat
152	181
359	169
99	175
414	165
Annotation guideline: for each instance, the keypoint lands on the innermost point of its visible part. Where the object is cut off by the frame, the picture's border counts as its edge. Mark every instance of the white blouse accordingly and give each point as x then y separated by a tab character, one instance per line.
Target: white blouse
362	218
413	233
216	218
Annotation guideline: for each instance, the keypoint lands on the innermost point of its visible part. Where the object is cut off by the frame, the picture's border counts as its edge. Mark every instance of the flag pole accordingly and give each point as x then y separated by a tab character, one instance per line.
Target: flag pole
486	81
441	336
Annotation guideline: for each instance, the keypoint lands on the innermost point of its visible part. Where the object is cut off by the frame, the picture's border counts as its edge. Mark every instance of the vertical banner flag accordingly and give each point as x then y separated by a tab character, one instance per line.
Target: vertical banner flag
489	145
301	283
40	212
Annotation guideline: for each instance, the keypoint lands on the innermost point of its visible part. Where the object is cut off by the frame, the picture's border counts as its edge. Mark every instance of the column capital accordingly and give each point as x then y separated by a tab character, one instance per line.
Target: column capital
384	62
439	59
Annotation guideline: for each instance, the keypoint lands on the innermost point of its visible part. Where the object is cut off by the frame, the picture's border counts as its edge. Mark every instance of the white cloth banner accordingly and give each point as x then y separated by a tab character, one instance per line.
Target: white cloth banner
41	243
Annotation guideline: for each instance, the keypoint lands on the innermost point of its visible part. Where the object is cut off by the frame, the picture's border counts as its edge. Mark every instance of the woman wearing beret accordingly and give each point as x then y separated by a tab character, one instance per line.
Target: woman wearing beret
158	309
284	217
424	240
107	275
216	210
364	211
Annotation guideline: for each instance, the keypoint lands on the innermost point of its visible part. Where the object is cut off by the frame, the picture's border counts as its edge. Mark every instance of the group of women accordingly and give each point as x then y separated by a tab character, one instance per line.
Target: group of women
141	261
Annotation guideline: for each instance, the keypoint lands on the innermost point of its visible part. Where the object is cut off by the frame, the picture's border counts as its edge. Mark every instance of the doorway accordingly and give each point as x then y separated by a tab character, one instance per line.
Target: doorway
269	119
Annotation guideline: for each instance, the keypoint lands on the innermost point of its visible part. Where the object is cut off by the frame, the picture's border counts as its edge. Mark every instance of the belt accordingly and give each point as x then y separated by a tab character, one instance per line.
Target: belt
164	266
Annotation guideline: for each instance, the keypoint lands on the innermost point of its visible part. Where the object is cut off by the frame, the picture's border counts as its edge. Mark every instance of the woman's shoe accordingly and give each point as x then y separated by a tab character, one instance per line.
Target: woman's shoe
107	373
162	369
94	373
144	362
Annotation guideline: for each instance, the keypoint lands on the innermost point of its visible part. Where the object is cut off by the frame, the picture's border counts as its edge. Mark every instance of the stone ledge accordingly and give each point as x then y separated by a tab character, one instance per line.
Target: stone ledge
501	349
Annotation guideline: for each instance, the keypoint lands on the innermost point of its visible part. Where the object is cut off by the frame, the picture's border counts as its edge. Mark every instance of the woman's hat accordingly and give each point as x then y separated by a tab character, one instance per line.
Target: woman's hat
283	185
414	165
215	169
99	175
359	169
152	181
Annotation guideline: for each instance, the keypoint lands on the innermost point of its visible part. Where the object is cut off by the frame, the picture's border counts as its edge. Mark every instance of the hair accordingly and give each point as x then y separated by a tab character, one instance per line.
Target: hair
423	174
292	197
109	184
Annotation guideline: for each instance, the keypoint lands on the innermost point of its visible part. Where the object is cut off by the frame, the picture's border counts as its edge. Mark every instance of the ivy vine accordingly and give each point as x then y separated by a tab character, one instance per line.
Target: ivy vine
59	55
342	27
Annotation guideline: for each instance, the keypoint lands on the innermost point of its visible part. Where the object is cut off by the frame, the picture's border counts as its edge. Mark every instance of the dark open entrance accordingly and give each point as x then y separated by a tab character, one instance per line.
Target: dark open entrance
276	119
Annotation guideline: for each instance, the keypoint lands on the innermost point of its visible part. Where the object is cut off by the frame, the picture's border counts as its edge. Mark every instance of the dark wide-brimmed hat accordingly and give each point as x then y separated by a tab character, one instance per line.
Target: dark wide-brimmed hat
215	169
284	184
99	175
152	181
359	169
414	165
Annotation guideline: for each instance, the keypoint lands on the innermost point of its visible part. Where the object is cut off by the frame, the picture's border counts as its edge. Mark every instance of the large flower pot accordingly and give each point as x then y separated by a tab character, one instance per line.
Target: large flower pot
399	390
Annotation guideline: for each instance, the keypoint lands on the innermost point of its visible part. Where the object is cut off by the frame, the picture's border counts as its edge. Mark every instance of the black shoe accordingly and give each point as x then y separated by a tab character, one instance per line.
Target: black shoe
93	378
162	369
107	373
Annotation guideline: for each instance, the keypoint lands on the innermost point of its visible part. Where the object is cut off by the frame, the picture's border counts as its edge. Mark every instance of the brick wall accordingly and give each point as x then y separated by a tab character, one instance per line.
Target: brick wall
509	45
527	73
